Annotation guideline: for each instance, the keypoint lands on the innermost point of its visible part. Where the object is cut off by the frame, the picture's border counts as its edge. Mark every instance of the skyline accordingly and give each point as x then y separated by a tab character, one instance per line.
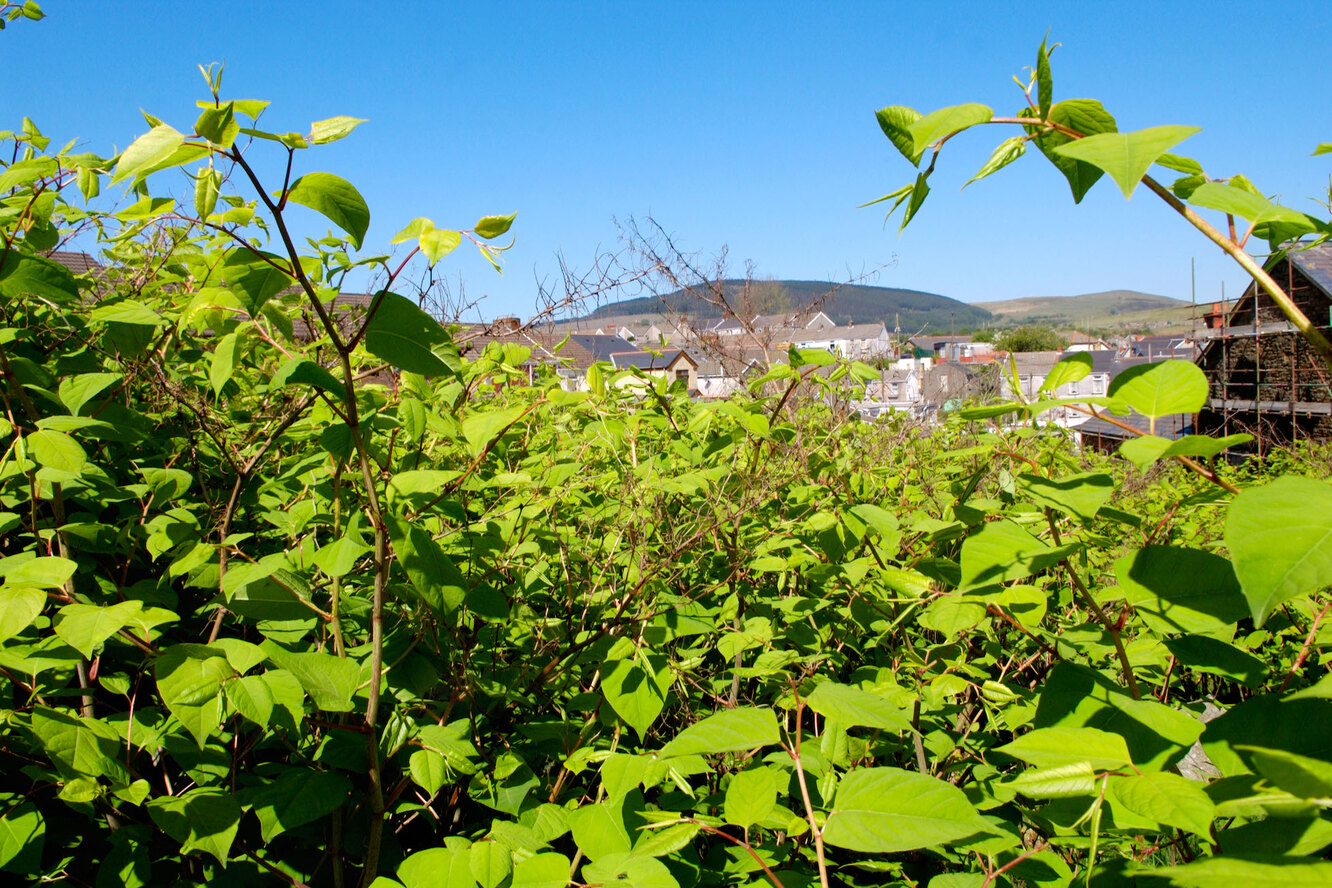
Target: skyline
746	126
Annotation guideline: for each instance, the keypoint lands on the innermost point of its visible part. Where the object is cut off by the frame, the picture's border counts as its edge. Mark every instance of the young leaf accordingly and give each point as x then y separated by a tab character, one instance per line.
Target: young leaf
337	199
436	243
207	185
1069	368
223	362
1044	80
218	125
1280	540
1127	156
146	152
493	226
896	121
1008	151
945	122
324	131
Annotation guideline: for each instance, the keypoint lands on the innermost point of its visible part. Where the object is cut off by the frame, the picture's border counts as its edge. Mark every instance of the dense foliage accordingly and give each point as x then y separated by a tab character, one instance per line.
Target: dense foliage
1029	339
297	596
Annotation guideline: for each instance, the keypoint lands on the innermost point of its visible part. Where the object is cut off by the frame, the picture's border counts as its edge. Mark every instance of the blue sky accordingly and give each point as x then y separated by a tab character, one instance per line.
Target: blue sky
745	125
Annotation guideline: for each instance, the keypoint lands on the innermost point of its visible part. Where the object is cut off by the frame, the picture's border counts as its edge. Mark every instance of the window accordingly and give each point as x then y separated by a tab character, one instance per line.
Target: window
682	376
1098	385
1073	388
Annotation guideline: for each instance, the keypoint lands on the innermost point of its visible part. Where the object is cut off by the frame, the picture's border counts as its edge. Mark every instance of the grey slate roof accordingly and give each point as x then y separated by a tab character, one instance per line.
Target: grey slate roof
1315	263
646	360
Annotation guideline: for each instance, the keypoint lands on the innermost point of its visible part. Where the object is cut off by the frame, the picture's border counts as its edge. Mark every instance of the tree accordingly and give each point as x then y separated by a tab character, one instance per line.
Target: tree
1029	339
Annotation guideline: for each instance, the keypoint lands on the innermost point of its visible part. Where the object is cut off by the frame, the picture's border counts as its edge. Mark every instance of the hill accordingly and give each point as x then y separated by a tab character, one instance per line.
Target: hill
848	304
1105	309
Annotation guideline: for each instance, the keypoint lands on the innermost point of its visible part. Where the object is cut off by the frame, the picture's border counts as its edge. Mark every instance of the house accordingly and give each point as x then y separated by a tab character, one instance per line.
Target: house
1263	376
677	365
1156	348
1104	436
949	383
854	342
898	388
935	346
725	374
1079	341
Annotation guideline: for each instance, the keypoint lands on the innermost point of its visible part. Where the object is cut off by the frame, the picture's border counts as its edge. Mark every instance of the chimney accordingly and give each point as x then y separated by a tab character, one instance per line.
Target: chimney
507	325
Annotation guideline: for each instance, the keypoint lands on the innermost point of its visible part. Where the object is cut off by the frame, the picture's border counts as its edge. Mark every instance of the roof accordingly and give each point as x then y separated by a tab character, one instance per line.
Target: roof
646	360
1034	363
1315	263
602	346
78	263
1174	425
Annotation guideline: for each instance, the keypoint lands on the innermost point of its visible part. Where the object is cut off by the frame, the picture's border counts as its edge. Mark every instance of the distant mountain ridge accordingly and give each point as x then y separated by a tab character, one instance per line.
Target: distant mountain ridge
849	304
1077	310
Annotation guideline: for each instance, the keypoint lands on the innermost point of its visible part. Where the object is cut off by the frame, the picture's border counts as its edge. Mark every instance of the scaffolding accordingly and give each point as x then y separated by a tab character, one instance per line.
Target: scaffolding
1263	377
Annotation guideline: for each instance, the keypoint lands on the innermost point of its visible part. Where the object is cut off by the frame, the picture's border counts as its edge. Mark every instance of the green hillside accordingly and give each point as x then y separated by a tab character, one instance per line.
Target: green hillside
848	304
1098	309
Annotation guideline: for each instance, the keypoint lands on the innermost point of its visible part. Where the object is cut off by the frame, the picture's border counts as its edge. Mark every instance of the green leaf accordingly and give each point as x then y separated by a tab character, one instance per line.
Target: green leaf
1300	775
734	730
408	338
1066	781
1001	551
945	122
628	871
919	191
1161	388
333	128
300	796
1280	540
886	810
19	606
1086	116
1147	449
77	390
1186	165
545	870
750	797
852	707
147	152
218	125
1175	589
1081	496
85	627
599	830
896	121
434	576
22	837
1008	151
56	450
1044	80
436	243
44	571
493	226
21	275
1247	205
1269	872
490	863
337	199
1069	368
1058	746
1127	156
80	747
251	696
1166	798
339	557
204	819
1207	654
223	362
635	684
329	680
207	187
482	428
303	371
189	681
1076	696
126	311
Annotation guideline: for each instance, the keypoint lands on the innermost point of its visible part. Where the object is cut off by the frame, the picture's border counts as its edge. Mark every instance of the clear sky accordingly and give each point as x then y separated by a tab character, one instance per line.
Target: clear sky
746	125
